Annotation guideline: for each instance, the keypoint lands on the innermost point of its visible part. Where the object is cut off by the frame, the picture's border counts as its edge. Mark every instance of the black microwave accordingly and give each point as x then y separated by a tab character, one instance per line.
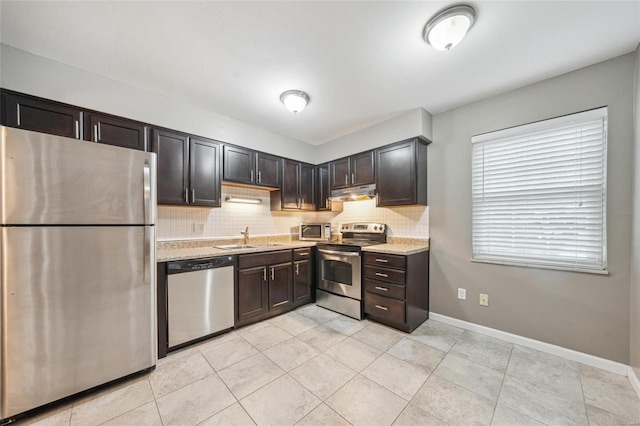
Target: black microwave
315	232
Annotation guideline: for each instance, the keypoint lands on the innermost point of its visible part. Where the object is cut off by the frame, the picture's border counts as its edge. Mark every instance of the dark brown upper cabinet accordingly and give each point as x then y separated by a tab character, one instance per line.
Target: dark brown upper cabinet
355	170
248	167
188	169
115	131
323	192
297	189
401	173
40	115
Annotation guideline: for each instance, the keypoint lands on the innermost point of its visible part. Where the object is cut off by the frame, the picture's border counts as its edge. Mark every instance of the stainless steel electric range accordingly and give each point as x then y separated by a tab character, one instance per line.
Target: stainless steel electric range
340	268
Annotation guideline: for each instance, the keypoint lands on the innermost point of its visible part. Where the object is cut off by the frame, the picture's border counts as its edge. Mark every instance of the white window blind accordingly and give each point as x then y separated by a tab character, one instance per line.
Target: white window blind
539	194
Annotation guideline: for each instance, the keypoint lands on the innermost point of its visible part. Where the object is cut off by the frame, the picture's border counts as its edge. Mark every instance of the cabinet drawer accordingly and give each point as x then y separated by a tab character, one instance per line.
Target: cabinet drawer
385	289
302	253
261	259
385	260
382	274
384	307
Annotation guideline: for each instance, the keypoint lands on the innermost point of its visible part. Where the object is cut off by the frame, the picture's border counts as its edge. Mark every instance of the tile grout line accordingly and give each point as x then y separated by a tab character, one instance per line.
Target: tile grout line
584	398
501	385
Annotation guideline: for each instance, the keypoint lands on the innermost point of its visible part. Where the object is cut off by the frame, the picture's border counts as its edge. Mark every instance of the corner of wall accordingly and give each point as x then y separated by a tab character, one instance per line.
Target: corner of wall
634	333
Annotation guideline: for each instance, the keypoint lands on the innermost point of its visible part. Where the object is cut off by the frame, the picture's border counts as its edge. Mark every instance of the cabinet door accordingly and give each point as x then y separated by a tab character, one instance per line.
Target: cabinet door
204	172
340	173
290	179
239	165
322	187
173	166
280	285
396	174
306	187
39	115
268	173
115	131
362	169
252	292
301	281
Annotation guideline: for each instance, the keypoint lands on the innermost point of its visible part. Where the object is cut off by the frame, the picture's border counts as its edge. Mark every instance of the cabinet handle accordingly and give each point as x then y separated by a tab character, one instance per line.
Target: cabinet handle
273	277
297	269
77	129
384	308
95	133
193	196
326	203
382	260
382	288
346	179
306	253
259	176
353	178
251	175
186	195
280	303
302	203
264	273
381	274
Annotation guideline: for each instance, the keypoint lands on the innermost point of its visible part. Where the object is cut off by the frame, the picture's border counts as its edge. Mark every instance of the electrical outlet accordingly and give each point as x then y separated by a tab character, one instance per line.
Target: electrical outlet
198	227
462	293
484	299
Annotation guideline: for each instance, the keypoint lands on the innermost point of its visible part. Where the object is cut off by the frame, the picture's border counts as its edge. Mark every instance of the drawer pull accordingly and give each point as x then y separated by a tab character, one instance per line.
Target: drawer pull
281	303
382	260
306	253
382	288
382	275
384	308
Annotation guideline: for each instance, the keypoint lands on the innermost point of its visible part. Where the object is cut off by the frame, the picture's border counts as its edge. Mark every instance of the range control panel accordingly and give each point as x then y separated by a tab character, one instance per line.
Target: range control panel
369	228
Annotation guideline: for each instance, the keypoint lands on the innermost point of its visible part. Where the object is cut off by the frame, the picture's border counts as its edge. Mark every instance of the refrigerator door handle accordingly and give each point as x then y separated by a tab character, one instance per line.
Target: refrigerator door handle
147	193
147	219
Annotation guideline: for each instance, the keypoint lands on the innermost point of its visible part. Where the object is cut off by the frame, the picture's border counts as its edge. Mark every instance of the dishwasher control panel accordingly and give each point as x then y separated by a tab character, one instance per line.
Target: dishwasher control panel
199	264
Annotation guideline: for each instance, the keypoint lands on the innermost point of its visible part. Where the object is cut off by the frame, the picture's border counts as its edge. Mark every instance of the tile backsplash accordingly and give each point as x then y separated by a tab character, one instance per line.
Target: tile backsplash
184	223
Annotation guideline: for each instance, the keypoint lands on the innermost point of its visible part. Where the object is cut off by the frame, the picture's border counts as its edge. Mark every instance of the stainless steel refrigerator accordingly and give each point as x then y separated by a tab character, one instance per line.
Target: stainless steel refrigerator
77	266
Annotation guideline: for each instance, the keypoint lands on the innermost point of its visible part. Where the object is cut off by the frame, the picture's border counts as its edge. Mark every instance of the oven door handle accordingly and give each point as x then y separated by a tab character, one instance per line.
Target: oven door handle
339	253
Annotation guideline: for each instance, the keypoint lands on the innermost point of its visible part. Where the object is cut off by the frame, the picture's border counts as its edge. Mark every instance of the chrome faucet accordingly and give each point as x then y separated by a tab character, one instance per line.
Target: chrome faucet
246	235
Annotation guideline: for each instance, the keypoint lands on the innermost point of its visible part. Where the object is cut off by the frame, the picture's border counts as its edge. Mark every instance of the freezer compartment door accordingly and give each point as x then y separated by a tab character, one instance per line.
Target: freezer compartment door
51	180
78	310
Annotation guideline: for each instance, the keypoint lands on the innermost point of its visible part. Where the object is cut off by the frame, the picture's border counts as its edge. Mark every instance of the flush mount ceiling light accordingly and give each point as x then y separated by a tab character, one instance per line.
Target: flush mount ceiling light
447	28
243	200
294	100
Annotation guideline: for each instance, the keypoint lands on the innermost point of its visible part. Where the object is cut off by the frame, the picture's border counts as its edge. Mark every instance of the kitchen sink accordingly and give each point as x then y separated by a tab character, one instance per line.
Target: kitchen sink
234	247
275	244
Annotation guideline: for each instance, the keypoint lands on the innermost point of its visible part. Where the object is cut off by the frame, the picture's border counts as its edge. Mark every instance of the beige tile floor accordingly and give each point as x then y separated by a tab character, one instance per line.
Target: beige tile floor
314	367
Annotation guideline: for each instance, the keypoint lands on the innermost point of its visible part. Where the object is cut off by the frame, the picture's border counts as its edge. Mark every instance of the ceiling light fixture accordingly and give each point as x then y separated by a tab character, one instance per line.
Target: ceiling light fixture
243	200
294	100
447	28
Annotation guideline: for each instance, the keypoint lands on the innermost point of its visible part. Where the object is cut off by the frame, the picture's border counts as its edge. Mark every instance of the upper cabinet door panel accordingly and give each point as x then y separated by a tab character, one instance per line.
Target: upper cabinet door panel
340	173
362	169
173	165
268	173
204	172
306	187
396	174
115	131
239	165
290	196
40	116
322	187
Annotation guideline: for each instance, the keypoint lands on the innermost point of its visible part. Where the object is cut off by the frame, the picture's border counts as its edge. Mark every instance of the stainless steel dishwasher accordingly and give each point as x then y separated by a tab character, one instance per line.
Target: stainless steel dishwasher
199	298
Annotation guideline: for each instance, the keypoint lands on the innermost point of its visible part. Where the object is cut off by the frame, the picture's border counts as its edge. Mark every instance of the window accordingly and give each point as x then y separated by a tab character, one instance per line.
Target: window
539	194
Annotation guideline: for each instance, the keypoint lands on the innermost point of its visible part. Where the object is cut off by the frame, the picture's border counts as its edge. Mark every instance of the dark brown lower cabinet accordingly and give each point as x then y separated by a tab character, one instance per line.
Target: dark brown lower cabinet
302	281
264	286
397	289
252	292
280	286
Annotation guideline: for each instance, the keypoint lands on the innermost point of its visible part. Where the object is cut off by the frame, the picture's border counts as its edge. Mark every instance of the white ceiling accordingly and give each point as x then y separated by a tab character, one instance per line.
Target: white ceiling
360	62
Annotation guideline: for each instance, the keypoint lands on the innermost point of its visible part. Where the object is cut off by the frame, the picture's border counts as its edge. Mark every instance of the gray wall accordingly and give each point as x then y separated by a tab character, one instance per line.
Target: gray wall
634	358
584	312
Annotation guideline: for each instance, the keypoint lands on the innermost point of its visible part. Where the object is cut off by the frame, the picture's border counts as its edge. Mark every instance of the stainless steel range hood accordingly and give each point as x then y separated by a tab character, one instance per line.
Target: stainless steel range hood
356	193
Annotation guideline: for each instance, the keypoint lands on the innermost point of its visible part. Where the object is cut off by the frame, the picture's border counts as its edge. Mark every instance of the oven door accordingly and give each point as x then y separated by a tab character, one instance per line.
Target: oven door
339	272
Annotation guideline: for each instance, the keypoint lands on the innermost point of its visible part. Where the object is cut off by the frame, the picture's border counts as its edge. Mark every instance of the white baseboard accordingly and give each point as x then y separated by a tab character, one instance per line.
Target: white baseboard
593	361
634	380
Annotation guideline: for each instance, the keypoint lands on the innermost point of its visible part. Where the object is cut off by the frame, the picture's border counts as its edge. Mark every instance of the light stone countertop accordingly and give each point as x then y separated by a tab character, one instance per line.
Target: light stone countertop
401	249
211	251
